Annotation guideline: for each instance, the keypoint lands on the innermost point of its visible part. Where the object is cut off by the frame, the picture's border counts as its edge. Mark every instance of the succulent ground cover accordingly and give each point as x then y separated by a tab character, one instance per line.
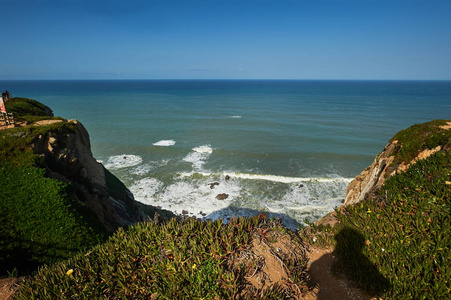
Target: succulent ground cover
182	259
40	221
397	244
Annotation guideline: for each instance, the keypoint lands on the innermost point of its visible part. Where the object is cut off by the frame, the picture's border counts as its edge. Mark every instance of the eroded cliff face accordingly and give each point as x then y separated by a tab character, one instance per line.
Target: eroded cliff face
372	177
387	164
68	158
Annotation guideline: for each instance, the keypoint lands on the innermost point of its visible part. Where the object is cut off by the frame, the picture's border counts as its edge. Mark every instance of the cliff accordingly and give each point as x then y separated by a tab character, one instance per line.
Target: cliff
55	199
395	243
68	158
405	149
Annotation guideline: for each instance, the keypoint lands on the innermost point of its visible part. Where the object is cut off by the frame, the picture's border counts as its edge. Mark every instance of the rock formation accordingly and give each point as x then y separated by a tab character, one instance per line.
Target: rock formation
385	165
68	158
372	177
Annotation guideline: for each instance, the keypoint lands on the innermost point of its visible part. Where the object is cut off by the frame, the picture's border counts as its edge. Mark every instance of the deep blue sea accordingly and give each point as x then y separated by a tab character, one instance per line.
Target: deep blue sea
289	147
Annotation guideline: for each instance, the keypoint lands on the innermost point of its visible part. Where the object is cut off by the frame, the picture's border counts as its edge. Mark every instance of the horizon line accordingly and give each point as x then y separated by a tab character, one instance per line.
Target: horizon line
212	79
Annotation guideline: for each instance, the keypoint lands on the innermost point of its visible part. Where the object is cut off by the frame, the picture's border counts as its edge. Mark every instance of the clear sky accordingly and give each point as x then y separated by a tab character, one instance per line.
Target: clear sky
225	39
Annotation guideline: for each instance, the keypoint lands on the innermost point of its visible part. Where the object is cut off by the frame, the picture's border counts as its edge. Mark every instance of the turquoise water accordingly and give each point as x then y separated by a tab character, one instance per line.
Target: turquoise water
289	147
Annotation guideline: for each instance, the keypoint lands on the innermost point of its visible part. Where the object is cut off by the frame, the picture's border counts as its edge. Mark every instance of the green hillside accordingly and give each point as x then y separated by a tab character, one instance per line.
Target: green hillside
40	220
398	243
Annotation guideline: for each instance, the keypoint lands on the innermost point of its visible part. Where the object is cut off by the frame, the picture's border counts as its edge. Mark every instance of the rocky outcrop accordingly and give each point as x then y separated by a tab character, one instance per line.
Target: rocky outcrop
372	177
387	163
68	157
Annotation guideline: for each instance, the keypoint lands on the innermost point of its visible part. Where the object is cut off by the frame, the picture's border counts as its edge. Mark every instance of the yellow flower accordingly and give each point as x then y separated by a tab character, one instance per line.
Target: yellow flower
194	266
369	211
70	272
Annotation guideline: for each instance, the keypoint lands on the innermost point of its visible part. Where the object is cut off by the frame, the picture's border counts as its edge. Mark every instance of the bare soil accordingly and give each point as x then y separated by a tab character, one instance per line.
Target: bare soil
327	285
8	286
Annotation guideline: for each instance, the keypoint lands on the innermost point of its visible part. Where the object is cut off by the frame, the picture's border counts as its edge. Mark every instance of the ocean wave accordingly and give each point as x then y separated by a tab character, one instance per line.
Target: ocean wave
274	178
198	156
234	117
123	161
164	143
296	198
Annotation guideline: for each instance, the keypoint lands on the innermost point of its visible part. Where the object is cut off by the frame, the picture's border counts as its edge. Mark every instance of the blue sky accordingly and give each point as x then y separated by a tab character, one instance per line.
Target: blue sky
225	39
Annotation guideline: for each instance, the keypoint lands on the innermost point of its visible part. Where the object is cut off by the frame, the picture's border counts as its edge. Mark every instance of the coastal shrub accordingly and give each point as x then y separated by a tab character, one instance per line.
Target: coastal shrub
404	232
179	259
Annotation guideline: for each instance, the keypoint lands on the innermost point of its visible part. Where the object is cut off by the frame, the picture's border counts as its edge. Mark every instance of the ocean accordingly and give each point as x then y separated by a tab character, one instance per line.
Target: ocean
288	148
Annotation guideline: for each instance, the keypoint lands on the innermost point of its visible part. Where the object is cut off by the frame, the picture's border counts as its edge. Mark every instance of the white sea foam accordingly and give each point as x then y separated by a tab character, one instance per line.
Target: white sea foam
274	178
195	196
144	190
142	169
164	143
198	156
123	161
234	117
295	199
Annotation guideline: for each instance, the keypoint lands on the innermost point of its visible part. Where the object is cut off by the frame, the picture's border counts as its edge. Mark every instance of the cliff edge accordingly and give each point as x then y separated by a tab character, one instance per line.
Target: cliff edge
68	158
403	150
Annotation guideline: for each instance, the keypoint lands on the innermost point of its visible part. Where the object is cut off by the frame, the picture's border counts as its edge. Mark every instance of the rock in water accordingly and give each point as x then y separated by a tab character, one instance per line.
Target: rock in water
222	196
212	185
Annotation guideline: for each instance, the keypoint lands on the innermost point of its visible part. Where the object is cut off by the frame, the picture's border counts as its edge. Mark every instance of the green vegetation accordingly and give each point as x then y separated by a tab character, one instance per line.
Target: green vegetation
40	223
188	259
29	110
398	243
40	220
419	137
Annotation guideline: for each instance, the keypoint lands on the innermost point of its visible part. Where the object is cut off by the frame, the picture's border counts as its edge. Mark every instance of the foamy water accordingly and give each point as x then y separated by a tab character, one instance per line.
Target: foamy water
295	199
123	161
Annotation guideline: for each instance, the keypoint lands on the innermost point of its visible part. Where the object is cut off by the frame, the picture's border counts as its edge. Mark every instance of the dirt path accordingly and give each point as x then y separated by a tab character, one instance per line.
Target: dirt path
8	286
327	286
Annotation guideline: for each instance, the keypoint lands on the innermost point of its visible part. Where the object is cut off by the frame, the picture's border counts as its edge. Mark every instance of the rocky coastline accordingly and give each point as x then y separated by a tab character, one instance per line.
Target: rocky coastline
66	156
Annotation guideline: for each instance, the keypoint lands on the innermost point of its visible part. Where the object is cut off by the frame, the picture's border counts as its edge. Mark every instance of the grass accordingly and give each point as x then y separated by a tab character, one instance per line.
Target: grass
187	259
